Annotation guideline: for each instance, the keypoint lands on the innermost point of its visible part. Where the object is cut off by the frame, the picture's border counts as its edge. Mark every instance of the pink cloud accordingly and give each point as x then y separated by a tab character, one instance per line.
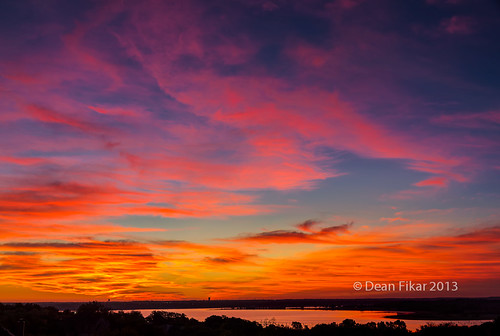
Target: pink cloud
308	55
458	25
335	124
394	219
269	6
115	111
433	182
22	161
489	119
257	109
50	116
252	131
348	4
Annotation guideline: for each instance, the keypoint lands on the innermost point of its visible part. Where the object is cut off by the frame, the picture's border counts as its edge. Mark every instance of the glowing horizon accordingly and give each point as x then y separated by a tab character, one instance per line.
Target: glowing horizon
251	149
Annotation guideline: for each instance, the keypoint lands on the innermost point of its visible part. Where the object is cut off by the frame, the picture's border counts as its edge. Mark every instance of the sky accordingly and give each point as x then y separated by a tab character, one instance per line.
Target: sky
248	149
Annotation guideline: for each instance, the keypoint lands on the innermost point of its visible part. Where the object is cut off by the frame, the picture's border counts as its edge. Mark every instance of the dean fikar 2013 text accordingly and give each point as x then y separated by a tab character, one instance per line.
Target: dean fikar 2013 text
411	286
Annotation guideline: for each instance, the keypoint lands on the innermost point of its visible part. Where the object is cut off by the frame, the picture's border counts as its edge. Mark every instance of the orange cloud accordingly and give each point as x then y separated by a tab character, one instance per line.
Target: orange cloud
91	268
9	231
180	269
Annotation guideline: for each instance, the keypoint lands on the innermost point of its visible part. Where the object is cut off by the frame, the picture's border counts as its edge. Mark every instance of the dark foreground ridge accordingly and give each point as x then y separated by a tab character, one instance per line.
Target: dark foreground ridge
414	309
96	319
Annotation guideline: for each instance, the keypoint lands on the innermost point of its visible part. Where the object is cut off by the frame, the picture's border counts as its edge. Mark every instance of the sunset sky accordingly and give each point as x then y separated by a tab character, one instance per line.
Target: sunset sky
247	149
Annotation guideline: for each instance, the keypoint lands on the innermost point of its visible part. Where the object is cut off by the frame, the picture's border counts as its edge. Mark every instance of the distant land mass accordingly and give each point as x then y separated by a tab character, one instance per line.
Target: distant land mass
409	309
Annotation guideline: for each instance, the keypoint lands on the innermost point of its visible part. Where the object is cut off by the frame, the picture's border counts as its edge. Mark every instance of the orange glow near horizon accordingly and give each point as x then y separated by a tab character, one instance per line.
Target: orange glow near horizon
244	267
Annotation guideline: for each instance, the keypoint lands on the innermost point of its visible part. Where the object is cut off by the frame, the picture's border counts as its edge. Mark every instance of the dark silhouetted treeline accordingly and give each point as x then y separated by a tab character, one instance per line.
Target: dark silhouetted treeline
95	319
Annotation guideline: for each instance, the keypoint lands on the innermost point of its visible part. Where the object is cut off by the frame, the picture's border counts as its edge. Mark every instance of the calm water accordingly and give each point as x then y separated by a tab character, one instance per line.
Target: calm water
309	317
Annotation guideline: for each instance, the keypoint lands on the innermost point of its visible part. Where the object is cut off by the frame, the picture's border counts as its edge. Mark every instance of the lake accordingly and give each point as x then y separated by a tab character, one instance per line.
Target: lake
309	317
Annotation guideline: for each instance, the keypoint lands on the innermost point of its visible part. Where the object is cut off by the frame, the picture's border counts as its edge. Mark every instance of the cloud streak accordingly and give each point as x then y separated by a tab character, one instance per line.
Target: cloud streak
307	234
